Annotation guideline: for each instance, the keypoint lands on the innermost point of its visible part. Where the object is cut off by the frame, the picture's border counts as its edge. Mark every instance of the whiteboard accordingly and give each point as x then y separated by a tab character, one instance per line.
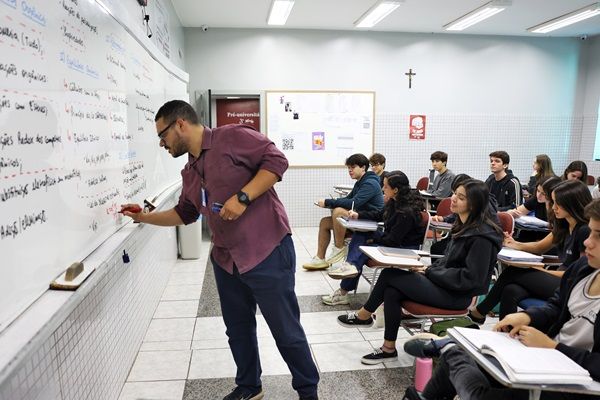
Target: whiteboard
78	95
319	128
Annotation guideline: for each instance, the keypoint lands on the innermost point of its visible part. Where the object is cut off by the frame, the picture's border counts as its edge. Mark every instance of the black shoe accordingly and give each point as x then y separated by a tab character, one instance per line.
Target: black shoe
240	393
379	356
425	348
351	320
313	397
412	394
475	319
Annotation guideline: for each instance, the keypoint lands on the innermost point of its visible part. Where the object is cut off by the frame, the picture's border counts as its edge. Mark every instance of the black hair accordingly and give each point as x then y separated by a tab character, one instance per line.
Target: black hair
439	155
572	196
458	180
174	109
358	159
576	166
501	154
406	200
478	199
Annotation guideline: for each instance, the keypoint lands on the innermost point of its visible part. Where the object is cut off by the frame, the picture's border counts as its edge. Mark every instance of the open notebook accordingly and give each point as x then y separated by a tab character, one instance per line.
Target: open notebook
524	364
518	255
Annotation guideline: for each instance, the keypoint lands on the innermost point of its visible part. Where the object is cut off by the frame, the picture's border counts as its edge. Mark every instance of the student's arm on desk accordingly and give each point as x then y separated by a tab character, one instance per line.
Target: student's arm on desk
160	218
539	247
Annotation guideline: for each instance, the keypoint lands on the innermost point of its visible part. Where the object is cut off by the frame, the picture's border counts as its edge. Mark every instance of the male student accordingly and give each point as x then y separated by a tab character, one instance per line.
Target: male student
366	195
377	162
505	187
569	323
229	178
443	180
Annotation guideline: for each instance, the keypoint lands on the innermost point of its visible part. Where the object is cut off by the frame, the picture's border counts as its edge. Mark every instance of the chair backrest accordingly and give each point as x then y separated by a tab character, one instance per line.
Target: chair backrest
507	222
425	221
423	183
443	208
591	180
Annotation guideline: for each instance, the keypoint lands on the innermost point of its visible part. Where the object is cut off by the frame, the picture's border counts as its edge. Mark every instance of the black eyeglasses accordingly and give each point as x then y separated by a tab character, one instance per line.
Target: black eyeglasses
163	133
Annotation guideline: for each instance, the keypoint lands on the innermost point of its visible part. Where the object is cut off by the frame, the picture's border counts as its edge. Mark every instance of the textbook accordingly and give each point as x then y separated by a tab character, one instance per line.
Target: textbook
398	252
524	364
358	224
507	254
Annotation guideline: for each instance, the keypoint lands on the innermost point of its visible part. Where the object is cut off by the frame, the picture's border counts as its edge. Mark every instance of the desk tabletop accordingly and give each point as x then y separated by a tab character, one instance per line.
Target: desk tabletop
490	365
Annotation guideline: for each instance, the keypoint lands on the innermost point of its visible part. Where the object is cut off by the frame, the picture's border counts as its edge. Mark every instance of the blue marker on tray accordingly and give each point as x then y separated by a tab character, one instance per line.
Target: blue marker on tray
216	207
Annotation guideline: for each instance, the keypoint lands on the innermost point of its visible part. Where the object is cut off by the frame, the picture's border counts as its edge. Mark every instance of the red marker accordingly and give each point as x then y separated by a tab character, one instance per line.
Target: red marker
132	209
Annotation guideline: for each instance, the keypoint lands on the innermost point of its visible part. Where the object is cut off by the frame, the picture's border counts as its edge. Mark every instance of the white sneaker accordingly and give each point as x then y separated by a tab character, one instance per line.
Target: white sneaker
336	298
315	263
342	270
336	255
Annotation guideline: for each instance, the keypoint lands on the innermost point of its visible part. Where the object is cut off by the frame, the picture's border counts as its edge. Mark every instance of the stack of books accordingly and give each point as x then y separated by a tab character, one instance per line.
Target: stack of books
507	254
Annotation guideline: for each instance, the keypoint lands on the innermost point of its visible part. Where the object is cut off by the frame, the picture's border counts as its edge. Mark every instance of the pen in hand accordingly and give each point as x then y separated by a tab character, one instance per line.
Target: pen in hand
352	209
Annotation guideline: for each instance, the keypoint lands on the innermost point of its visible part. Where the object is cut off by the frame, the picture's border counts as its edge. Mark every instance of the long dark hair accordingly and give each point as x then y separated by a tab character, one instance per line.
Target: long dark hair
548	184
406	199
576	166
478	199
572	196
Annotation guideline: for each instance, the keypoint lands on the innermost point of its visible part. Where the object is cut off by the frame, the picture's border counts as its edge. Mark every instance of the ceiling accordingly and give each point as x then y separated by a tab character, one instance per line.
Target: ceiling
412	16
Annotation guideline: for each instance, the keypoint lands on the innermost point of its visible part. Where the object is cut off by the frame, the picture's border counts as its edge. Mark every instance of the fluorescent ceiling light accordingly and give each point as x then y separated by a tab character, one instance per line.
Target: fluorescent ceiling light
479	14
280	11
375	14
567	19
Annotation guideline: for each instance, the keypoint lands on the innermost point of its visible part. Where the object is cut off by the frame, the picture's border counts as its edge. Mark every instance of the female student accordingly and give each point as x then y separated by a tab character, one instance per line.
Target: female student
450	282
542	168
403	228
576	170
568	233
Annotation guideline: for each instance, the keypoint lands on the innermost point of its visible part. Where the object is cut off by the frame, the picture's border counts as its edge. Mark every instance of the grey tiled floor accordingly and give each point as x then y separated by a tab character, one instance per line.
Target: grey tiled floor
185	353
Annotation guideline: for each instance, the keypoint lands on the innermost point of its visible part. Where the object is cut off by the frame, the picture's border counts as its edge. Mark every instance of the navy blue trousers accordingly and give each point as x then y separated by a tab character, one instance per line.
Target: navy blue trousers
270	285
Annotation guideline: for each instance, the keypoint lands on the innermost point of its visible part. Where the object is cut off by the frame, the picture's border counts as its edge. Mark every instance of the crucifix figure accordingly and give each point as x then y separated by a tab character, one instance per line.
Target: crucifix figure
410	74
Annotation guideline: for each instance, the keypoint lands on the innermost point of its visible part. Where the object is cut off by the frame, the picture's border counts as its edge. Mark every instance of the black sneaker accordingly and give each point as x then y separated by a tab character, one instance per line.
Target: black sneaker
351	320
412	394
425	348
240	393
477	320
379	356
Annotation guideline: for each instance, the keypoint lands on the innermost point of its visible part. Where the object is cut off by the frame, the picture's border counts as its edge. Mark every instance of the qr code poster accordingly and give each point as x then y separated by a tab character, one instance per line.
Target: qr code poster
287	142
318	140
416	127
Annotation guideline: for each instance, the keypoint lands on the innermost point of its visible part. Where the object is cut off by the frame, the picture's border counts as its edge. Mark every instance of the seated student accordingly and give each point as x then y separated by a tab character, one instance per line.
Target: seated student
596	190
377	162
538	205
403	228
569	323
576	170
568	233
442	182
366	195
505	187
450	282
542	168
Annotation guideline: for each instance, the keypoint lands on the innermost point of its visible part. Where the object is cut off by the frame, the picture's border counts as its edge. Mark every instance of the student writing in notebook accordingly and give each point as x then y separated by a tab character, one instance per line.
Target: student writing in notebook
568	323
569	231
450	282
402	228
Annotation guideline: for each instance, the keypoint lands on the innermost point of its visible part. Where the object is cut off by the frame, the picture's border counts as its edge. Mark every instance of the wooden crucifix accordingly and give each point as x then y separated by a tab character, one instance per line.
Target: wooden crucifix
410	74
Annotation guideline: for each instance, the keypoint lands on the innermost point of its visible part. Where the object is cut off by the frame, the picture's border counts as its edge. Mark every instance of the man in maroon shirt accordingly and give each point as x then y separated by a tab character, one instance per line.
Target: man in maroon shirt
229	179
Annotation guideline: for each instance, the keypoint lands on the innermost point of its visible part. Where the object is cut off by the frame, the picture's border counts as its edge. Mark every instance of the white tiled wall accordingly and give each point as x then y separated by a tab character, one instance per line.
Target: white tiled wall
89	355
468	139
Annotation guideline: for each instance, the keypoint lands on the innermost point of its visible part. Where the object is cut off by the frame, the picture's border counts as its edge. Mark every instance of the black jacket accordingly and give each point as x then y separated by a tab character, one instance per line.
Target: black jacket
507	191
551	317
402	229
468	263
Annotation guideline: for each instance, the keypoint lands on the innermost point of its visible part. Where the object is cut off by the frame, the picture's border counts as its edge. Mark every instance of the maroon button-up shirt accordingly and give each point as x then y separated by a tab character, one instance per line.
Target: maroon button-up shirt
231	156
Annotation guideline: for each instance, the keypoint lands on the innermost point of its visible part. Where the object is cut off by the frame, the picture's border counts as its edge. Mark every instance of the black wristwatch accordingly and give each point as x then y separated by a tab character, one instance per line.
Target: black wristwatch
243	198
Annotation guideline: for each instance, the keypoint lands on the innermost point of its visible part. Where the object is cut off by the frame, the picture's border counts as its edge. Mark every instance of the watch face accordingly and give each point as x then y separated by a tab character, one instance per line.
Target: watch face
243	198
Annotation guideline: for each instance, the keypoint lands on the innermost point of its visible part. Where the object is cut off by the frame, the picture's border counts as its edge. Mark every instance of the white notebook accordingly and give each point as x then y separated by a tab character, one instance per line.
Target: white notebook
524	364
518	255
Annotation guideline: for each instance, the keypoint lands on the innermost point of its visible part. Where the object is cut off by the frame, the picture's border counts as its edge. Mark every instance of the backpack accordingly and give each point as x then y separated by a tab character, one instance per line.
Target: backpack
440	328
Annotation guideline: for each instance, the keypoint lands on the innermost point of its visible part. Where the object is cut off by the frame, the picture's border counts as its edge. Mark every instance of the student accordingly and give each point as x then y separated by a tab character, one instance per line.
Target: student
542	168
248	272
596	190
569	323
403	228
576	170
377	162
505	187
442	182
366	195
568	233
450	282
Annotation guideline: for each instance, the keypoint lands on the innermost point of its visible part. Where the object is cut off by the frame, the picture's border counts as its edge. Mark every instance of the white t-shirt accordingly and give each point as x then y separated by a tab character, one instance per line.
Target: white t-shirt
579	330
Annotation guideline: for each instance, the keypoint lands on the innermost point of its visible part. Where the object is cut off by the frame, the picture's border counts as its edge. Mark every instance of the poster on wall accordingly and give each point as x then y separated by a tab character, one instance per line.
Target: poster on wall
239	111
416	127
